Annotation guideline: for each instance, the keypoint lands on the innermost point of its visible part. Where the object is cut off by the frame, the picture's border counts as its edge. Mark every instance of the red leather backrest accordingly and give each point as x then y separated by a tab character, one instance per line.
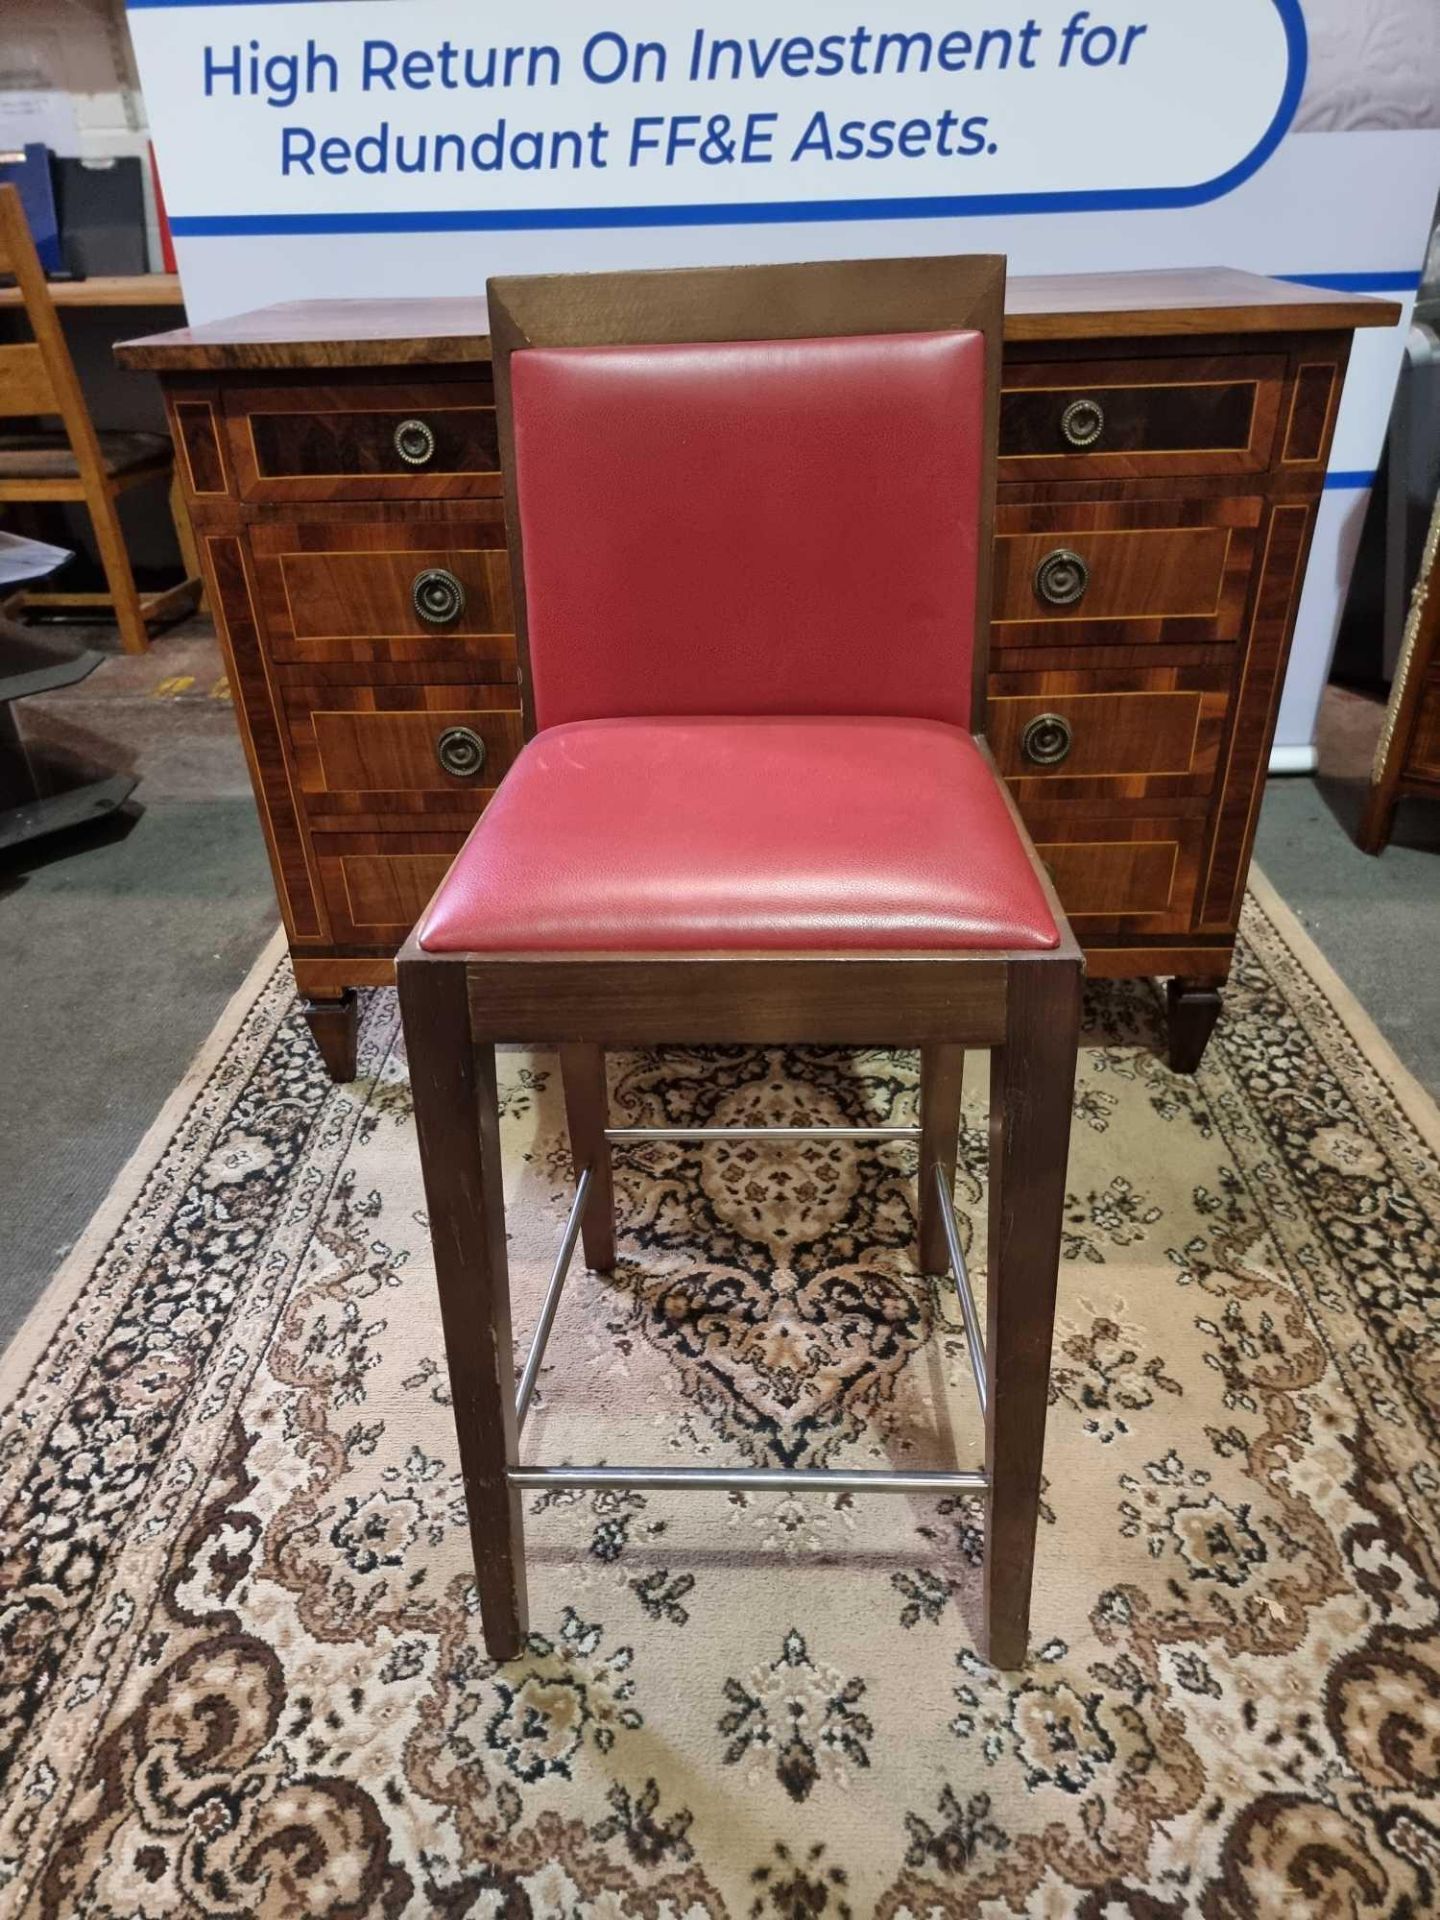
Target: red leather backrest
770	526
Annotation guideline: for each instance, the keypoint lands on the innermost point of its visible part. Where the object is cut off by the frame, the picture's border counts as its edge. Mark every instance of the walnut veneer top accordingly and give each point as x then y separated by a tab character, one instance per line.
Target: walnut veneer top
397	333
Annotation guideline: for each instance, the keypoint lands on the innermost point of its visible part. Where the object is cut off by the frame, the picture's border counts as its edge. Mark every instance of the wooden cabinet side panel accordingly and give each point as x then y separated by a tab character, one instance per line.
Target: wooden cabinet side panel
260	731
1284	553
1318	365
195	430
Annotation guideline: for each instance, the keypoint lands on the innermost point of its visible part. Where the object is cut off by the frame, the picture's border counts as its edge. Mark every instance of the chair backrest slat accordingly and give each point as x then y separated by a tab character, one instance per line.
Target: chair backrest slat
753	489
25	383
38	376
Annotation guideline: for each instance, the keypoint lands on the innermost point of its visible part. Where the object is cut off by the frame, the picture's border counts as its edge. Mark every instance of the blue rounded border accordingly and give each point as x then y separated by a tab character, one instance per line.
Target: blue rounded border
770	212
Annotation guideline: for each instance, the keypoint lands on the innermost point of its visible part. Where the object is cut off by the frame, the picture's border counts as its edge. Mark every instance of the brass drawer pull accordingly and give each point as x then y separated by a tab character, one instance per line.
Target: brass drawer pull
438	596
1061	578
1083	422
460	751
414	442
1047	740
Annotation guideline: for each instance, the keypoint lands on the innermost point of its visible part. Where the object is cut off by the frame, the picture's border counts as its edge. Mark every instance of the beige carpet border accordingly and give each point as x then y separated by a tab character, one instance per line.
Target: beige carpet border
1414	1099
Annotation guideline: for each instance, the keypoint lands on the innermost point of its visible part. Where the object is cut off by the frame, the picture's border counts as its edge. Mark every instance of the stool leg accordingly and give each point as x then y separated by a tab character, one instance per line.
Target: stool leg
942	1075
457	1115
1032	1082
587	1111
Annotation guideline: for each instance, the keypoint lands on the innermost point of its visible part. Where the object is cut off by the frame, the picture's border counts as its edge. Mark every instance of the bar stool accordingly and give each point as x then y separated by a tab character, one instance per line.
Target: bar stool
750	520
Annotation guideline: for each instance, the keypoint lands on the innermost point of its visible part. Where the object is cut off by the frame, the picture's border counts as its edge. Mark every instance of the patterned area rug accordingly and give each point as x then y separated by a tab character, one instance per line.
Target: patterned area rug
243	1673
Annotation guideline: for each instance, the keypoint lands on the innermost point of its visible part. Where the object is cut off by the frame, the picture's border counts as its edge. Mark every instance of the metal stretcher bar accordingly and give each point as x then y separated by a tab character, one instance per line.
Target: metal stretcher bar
747	1479
751	1479
619	1135
969	1312
552	1301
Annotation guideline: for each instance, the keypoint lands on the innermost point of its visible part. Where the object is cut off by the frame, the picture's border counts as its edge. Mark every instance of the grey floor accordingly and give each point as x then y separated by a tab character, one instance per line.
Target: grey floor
1377	921
119	947
119	944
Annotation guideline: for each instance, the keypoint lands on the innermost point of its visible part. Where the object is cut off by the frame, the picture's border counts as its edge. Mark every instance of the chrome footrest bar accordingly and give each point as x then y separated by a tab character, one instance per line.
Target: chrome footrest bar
747	1480
619	1135
969	1312
750	1479
552	1301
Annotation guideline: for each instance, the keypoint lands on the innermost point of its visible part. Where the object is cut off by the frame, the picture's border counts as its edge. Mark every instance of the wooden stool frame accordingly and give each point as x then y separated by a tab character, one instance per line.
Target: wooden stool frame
1023	1006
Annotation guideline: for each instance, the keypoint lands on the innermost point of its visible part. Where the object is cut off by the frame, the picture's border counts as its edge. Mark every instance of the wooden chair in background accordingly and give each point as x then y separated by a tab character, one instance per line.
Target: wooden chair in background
74	462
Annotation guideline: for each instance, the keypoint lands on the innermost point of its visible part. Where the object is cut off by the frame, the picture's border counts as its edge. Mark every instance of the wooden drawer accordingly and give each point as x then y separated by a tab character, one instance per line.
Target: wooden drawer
411	441
342	589
1134	418
1127	573
375	895
1145	735
349	596
390	756
1121	875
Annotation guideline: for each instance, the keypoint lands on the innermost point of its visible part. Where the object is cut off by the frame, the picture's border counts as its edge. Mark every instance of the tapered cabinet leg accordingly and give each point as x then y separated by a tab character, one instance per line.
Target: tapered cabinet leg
1032	1082
334	1027
452	1084
942	1075
1193	1007
582	1069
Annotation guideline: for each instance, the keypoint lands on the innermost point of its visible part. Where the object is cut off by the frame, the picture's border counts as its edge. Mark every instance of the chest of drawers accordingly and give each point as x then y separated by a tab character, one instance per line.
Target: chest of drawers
1164	440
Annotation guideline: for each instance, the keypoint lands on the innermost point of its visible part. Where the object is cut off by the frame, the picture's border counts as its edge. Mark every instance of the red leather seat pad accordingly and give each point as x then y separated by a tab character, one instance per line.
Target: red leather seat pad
754	526
744	835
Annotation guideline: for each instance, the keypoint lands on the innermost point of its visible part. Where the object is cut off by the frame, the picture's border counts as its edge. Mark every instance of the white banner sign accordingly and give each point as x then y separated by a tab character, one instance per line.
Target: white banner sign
336	117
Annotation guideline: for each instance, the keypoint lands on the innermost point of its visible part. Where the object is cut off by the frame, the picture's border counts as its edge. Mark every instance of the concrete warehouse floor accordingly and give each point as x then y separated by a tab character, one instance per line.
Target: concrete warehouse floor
120	944
1377	921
